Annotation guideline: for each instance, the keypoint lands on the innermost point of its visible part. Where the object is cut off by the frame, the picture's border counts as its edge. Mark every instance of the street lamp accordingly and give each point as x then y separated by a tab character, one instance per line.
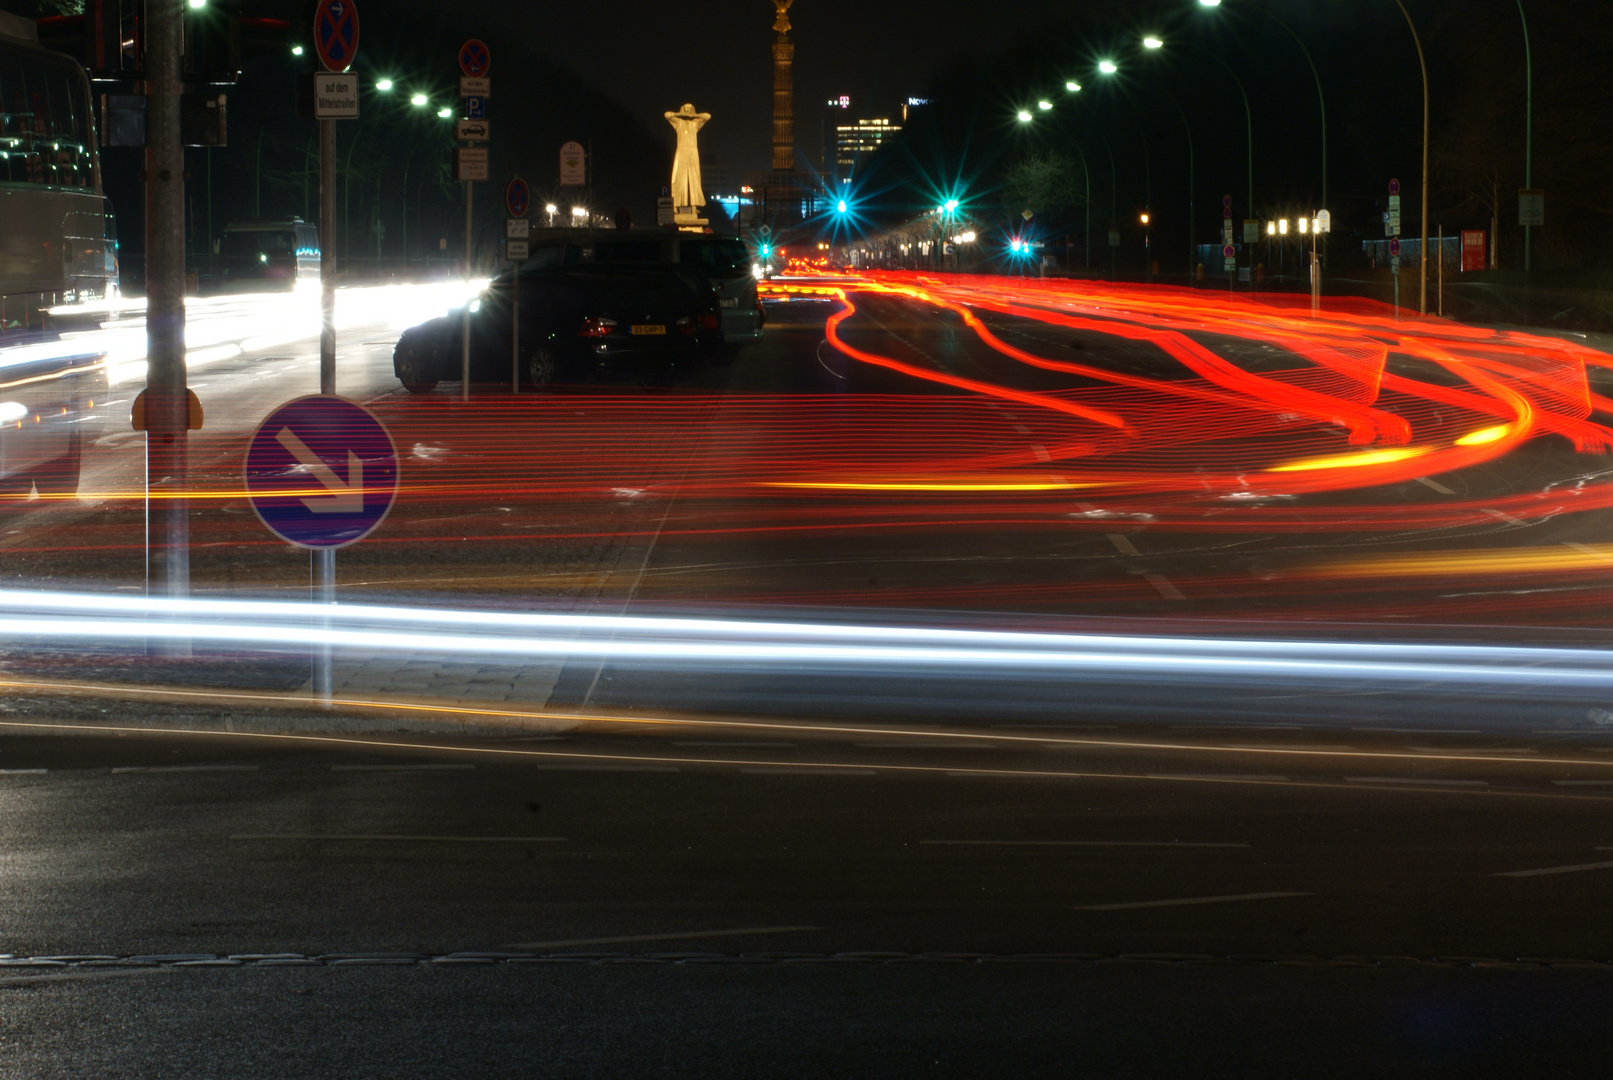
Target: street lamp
1044	105
418	100
445	112
1108	67
1024	117
296	50
383	84
1073	87
1152	42
551	209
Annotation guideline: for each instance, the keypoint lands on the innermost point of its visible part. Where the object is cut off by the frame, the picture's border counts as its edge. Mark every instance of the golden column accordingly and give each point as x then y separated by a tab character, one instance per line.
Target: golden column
783	91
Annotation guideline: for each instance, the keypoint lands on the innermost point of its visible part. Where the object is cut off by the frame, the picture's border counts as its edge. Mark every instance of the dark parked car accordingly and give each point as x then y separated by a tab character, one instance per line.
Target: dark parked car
647	324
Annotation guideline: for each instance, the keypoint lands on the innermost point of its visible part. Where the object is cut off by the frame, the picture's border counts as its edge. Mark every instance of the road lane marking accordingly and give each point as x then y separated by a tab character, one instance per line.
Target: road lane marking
402	838
1499	516
23	772
1558	869
1123	544
1435	485
626	766
923	744
808	770
585	760
1583	783
1216	776
1415	780
768	744
1191	900
688	936
1166	589
399	768
182	768
1084	843
1040	453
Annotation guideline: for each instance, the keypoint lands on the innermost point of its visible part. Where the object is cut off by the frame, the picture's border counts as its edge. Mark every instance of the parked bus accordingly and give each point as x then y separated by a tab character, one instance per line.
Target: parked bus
57	251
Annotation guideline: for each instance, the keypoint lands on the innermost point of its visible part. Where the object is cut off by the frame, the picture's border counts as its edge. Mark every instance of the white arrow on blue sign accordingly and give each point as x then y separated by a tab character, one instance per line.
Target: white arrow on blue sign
321	472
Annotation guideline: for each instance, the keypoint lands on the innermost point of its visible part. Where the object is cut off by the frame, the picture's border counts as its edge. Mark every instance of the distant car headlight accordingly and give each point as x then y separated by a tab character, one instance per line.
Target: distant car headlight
757	271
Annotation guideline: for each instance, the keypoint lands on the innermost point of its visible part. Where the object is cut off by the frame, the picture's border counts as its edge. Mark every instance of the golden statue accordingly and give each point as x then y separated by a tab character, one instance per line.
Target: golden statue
782	23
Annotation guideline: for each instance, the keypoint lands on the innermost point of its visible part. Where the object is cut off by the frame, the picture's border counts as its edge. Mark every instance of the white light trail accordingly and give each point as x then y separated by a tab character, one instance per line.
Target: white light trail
83	619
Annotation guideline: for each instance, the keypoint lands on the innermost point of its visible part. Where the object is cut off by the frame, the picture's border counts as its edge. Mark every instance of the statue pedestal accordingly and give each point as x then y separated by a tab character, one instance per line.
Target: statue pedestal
688	221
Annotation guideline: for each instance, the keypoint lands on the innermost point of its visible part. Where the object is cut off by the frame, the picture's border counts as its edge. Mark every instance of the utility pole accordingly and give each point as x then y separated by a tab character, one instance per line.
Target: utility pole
167	397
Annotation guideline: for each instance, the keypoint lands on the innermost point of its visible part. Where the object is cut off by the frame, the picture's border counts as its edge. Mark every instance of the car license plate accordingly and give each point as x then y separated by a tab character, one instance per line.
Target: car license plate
654	329
728	301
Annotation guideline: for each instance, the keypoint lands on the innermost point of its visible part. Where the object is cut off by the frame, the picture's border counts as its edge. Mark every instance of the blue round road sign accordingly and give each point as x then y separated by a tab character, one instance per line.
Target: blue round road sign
517	197
1229	252
321	472
474	59
336	33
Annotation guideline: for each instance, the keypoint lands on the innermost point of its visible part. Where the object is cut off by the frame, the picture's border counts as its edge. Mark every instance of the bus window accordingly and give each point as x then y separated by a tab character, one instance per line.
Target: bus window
44	122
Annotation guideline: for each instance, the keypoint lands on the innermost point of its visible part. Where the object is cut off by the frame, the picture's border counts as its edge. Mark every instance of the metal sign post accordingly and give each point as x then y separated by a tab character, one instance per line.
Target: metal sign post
1323	223
474	61
322	473
517	199
1392	227
336	43
1229	254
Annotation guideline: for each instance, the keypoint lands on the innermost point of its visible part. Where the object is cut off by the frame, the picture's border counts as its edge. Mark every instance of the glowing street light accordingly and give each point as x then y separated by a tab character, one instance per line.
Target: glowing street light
445	112
1282	227
197	5
1152	42
1073	87
1024	117
296	50
1209	3
383	84
1108	67
418	100
1044	105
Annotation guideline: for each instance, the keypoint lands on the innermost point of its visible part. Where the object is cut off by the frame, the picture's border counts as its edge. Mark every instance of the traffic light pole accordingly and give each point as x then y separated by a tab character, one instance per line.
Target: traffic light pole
167	405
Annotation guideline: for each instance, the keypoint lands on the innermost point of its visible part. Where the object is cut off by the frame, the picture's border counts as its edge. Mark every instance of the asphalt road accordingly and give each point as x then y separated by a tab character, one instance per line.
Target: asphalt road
702	902
806	876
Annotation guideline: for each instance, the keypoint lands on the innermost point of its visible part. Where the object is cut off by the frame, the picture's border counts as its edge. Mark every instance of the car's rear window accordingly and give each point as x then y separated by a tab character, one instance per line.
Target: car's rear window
627	251
715	255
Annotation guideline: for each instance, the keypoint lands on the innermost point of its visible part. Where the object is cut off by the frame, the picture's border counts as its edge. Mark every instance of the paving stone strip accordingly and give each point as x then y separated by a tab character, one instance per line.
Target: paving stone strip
37	964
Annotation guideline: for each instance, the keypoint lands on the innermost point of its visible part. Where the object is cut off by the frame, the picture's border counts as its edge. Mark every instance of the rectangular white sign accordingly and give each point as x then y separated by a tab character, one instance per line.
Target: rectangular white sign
1531	206
517	228
515	249
469	87
335	96
470	163
472	130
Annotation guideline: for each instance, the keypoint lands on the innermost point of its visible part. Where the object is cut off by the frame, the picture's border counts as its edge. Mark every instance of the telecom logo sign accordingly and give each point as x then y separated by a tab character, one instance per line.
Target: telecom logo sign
573	165
336	34
321	472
